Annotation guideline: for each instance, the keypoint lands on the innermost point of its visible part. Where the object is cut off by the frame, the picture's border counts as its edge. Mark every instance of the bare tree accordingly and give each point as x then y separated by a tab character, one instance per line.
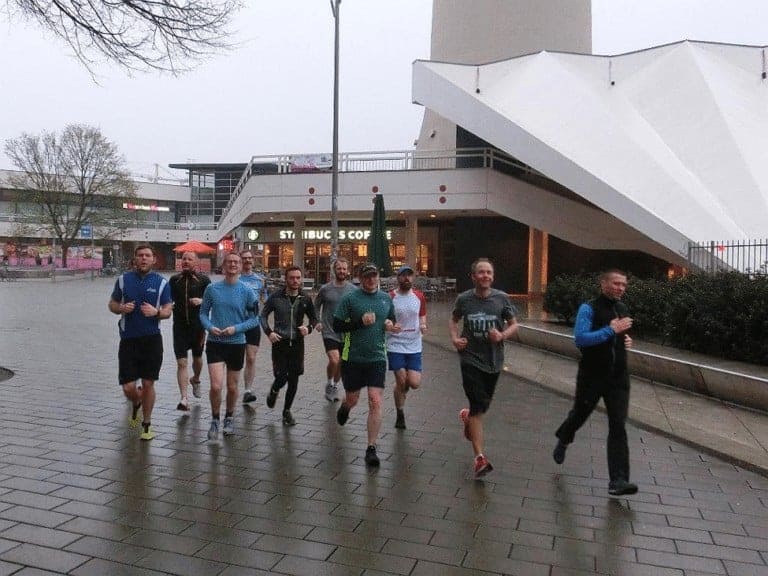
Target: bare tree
137	34
77	178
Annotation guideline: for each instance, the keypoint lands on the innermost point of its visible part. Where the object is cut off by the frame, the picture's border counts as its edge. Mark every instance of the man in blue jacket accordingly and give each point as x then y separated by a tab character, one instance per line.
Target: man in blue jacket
229	309
601	335
142	298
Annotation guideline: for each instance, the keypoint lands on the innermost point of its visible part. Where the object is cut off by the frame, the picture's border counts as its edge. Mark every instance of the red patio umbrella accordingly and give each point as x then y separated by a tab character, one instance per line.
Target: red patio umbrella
194	246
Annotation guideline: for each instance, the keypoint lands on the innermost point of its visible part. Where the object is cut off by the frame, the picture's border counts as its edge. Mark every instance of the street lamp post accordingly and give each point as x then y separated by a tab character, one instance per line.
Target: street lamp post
335	5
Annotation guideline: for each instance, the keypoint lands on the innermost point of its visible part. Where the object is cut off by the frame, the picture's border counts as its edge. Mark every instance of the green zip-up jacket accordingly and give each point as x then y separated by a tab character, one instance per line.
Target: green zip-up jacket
363	344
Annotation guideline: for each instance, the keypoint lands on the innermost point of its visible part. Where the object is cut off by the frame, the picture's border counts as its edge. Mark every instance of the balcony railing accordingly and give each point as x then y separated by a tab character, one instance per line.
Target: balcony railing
387	161
141	225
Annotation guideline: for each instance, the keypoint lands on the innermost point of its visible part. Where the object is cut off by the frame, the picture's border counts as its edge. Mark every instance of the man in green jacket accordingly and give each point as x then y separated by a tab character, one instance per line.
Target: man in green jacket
364	315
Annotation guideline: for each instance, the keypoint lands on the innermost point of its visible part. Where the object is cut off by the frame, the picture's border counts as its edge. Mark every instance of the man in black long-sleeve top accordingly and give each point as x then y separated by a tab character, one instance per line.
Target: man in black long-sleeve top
288	307
188	333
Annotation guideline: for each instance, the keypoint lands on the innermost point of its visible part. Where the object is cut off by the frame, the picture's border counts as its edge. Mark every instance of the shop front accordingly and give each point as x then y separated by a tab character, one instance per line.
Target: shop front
275	248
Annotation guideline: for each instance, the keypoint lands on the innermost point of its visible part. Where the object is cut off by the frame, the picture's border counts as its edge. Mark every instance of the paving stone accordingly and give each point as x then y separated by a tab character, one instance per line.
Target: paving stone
99	567
39	535
45	518
303	548
376	561
305	567
239	556
44	558
179	564
681	561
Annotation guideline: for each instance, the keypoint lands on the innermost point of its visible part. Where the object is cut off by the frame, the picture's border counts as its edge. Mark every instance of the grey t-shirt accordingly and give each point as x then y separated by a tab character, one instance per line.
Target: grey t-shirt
479	316
326	301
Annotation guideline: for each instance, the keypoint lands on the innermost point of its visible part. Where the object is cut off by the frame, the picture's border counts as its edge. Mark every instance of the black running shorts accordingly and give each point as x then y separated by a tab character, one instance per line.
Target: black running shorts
358	375
253	337
233	355
140	358
479	388
187	338
332	345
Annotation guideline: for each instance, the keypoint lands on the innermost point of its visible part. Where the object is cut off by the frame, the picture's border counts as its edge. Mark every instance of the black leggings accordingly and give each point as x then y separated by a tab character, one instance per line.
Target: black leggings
293	386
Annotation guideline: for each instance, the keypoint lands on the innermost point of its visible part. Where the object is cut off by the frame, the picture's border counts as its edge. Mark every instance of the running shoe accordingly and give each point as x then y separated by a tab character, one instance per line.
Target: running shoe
249	397
331	391
558	454
213	431
464	417
482	466
371	458
271	398
229	426
621	487
135	418
195	387
183	405
400	420
147	433
288	419
342	415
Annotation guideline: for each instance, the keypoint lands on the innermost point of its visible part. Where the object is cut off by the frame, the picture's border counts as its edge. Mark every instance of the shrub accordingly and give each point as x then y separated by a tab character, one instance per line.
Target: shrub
566	293
724	315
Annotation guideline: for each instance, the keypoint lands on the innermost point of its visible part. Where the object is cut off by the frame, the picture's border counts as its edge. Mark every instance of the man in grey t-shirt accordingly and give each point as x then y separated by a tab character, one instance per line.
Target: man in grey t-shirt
488	318
326	301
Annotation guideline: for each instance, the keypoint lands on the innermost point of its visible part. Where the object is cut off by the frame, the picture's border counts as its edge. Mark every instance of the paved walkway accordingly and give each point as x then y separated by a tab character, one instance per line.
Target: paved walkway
81	495
734	433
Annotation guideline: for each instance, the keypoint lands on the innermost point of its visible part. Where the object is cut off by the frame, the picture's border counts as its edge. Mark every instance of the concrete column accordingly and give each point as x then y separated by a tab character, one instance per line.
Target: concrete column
538	256
299	223
411	240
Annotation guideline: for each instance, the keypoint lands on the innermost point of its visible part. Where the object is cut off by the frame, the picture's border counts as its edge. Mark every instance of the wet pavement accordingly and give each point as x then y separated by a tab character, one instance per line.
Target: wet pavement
80	494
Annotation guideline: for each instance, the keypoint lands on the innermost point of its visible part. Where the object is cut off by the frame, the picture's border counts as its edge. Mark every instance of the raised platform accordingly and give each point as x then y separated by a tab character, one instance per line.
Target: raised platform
743	384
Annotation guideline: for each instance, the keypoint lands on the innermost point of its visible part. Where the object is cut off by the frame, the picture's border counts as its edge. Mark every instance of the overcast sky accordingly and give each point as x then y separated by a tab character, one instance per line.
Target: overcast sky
273	93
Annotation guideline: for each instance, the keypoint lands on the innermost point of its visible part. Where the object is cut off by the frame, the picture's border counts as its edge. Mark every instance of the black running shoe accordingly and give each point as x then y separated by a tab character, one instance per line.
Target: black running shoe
621	487
558	454
271	398
288	419
342	415
400	420
371	458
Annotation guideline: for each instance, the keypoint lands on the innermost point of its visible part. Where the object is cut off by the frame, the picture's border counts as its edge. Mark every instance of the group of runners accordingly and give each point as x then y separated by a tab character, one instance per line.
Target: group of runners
364	331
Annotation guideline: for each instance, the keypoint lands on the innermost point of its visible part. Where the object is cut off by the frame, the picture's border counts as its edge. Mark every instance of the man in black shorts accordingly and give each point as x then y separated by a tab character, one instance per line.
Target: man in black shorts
142	298
188	333
364	315
326	301
488	318
288	307
258	284
228	311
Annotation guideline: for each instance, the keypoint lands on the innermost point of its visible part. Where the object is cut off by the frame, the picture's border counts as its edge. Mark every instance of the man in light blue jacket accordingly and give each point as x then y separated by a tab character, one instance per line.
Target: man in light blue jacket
229	309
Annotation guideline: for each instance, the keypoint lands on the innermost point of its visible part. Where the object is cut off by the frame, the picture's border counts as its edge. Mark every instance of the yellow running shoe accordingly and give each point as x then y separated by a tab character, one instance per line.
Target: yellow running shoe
136	416
147	433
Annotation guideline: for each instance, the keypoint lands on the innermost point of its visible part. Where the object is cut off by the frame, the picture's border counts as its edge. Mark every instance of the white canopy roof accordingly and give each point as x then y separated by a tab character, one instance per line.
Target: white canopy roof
672	140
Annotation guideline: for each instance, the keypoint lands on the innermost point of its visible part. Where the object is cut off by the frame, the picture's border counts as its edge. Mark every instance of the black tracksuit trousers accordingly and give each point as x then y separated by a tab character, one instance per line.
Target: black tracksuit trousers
615	394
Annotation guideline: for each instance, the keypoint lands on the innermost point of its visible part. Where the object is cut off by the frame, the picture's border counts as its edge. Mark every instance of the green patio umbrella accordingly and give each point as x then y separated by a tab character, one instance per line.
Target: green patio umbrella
378	245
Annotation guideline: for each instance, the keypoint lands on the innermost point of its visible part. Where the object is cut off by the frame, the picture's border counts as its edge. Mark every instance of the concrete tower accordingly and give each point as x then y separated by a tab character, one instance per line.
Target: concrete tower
480	31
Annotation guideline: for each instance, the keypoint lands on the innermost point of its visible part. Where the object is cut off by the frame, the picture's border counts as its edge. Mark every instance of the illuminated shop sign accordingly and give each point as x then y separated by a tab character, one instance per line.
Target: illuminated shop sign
325	234
147	207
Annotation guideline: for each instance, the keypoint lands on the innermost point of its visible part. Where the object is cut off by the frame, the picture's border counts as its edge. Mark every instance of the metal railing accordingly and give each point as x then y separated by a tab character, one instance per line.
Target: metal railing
386	161
746	256
15	217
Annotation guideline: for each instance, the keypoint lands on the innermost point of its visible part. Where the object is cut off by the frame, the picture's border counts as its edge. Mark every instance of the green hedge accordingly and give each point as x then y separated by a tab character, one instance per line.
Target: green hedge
724	315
